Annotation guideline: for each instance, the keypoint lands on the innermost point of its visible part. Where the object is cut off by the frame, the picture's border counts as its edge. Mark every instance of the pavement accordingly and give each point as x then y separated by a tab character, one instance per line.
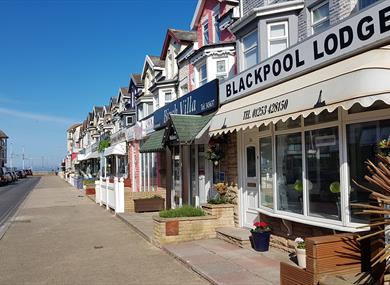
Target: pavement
216	260
59	236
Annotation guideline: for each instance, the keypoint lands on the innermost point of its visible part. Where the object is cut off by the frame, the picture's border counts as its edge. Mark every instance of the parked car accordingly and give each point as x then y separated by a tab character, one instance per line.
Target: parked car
29	172
3	178
21	174
13	174
7	175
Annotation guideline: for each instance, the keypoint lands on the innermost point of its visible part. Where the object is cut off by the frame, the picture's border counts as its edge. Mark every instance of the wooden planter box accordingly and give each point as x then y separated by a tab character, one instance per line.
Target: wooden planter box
149	205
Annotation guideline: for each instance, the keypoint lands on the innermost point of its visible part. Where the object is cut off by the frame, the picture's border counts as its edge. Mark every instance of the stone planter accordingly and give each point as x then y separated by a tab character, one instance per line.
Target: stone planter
149	205
301	256
224	213
175	230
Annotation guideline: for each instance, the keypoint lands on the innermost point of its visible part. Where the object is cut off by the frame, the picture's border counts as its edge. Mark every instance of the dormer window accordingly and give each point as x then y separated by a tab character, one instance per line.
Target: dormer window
205	28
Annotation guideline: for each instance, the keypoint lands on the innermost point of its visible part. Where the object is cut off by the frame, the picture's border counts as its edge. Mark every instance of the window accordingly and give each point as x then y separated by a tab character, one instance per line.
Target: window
277	37
217	31
156	101
323	172
289	180
251	161
221	69
129	120
168	96
150	108
362	140
266	171
205	28
184	89
202	75
250	52
364	3
320	17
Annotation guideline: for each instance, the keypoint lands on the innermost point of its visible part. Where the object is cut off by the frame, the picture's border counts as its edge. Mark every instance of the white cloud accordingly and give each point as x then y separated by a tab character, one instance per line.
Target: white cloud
36	117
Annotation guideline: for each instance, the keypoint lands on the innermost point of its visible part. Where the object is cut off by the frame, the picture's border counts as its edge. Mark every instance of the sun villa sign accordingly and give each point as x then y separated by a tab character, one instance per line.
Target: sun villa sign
201	100
359	33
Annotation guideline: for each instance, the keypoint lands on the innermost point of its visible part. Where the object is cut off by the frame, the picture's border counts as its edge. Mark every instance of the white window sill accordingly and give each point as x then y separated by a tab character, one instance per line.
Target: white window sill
310	221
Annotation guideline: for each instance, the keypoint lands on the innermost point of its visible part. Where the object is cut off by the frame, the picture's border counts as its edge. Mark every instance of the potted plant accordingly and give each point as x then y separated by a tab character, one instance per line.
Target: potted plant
260	236
214	152
300	249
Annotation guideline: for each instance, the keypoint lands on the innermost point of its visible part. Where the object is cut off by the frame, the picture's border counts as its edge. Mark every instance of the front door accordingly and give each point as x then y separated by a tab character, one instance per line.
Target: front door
250	181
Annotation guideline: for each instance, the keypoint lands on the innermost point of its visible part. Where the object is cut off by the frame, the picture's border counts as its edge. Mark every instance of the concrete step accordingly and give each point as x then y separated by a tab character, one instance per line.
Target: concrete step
236	236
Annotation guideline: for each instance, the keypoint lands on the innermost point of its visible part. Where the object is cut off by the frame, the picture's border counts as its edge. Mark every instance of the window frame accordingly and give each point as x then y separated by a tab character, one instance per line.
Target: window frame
315	7
285	37
245	51
219	74
168	91
202	81
216	29
205	32
127	120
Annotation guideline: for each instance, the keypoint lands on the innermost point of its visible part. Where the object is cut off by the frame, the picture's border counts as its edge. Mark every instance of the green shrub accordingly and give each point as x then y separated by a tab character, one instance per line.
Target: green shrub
218	200
185	211
89	182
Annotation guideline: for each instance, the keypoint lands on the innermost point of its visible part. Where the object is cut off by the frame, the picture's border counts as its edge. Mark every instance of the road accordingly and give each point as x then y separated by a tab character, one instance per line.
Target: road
59	236
11	196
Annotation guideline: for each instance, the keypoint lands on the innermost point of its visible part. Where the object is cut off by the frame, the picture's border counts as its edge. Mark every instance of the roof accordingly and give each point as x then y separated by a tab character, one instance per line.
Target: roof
154	62
199	9
157	62
69	129
98	110
136	77
154	143
124	90
3	135
187	127
180	36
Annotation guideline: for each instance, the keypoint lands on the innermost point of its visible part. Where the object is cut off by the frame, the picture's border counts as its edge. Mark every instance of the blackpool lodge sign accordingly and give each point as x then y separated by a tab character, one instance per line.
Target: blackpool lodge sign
366	30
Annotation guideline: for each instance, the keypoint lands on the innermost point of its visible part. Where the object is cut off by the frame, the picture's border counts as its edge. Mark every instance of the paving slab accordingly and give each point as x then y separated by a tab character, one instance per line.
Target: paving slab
226	264
140	222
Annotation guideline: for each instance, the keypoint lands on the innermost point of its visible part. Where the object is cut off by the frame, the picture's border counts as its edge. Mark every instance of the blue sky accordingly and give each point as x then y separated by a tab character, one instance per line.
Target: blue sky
59	58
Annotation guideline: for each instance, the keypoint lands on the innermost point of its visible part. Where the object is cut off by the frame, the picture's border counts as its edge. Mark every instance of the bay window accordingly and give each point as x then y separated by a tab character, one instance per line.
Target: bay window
250	52
308	165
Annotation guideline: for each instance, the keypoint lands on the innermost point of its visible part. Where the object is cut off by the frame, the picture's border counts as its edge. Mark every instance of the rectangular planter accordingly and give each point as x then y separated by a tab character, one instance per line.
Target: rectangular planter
90	191
149	205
